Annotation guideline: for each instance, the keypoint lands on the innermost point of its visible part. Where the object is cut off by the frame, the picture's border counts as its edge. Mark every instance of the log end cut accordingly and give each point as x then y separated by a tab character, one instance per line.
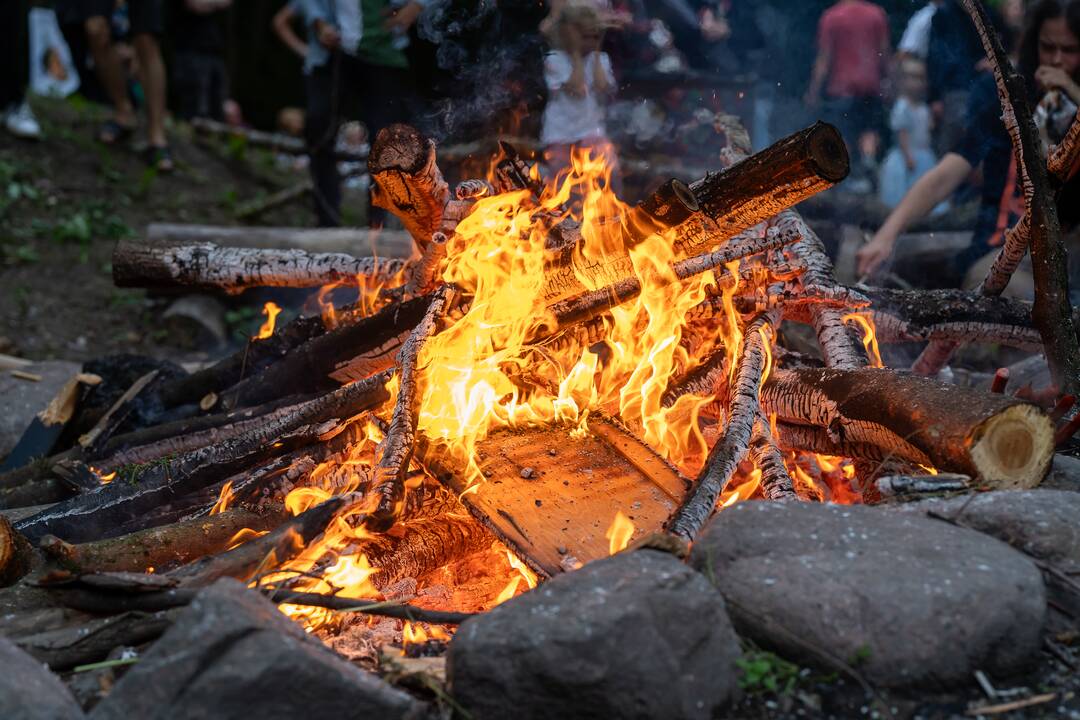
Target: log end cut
398	147
1014	448
828	152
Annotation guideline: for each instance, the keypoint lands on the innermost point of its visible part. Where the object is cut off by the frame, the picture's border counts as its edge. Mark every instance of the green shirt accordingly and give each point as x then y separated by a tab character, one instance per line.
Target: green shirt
377	43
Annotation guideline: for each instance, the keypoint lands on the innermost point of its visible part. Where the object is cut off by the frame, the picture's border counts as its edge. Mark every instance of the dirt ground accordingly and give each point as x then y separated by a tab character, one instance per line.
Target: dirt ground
65	201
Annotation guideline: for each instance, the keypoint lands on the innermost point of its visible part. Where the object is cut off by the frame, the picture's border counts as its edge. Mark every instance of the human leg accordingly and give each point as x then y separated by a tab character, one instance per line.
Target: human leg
109	71
147	24
320	131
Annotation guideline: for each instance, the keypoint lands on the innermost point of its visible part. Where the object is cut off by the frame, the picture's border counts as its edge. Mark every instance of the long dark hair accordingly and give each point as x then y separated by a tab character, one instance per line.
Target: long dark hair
1038	14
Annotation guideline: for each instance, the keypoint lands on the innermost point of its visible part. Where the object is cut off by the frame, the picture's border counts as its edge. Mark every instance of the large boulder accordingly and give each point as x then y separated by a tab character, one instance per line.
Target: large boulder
904	599
1043	524
637	635
28	691
232	654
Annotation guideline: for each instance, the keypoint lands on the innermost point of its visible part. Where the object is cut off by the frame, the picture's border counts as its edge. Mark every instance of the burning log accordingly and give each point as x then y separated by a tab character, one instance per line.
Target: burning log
764	184
205	265
389	485
163	548
351	351
733	445
408	182
91	516
919	315
776	483
266	551
424	546
1002	441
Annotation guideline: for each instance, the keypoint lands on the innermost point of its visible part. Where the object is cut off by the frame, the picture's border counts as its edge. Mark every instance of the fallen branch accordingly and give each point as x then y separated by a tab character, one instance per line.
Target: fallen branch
64	648
919	486
776	483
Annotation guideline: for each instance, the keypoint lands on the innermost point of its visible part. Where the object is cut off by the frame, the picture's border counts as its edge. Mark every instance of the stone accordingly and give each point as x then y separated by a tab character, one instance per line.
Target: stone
232	654
905	600
1064	474
1043	524
25	398
29	691
636	635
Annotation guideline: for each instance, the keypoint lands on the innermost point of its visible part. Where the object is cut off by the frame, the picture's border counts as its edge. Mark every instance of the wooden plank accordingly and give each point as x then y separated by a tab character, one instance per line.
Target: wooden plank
551	496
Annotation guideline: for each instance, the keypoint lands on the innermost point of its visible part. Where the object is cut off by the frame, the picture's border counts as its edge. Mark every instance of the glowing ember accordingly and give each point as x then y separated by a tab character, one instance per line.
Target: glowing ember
270	310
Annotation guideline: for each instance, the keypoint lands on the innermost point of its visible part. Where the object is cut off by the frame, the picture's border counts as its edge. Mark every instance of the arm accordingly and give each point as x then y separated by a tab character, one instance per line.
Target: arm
282	25
576	84
924	195
603	79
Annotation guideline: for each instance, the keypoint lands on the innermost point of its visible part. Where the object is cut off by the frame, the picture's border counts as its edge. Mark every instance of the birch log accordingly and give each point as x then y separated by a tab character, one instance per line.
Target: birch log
205	265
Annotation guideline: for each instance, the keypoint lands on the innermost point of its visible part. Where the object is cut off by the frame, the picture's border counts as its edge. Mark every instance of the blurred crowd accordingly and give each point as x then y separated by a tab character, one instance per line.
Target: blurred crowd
905	82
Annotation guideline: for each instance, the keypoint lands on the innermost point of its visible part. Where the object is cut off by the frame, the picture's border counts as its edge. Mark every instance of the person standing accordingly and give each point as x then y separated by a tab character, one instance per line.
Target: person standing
852	56
147	24
17	116
355	53
200	81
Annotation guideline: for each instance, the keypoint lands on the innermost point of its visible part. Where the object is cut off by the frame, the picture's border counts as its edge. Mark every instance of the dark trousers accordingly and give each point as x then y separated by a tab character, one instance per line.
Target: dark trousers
200	85
382	96
14	52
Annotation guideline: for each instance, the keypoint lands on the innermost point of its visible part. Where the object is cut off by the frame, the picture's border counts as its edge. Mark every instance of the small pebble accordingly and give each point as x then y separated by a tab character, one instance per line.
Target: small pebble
528	472
538	502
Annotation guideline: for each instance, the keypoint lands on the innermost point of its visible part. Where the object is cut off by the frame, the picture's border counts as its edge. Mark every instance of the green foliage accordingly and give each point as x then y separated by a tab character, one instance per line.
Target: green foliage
766	672
24	254
92	220
241	322
13	188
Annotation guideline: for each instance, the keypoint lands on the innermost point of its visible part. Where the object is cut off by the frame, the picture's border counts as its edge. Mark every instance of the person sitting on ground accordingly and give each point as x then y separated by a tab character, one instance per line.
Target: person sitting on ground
147	24
580	81
1049	63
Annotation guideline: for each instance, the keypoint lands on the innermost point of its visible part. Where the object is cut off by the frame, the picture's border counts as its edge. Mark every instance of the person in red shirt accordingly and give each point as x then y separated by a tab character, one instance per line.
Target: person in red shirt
853	52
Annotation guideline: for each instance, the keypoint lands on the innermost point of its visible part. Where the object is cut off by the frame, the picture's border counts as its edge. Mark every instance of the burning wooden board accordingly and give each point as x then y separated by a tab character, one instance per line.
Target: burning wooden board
552	496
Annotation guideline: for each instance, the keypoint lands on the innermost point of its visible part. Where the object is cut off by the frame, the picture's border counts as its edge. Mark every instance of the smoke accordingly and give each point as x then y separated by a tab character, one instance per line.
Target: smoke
490	61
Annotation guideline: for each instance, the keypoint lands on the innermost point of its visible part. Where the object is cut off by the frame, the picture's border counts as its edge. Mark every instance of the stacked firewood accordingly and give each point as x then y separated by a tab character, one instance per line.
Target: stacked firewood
240	432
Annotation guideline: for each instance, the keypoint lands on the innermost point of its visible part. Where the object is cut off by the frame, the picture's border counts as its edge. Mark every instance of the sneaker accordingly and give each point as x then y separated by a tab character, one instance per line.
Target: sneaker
20	122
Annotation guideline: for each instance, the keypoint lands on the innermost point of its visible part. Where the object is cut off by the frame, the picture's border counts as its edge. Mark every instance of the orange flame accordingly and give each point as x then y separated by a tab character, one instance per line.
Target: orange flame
106	479
869	337
619	533
225	497
270	310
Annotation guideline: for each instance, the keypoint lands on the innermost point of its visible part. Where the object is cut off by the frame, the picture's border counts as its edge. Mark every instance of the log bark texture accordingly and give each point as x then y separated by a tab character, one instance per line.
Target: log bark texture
139	264
162	548
397	448
407	181
93	515
731	448
1001	440
65	648
425	545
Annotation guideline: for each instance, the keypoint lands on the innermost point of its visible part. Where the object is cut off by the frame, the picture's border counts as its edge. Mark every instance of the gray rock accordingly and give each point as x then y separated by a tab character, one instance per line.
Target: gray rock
1044	524
25	398
637	635
904	599
28	691
1064	474
231	654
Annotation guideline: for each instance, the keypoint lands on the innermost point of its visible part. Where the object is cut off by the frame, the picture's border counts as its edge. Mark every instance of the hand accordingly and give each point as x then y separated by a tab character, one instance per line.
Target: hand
909	162
872	256
402	18
328	36
1052	78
